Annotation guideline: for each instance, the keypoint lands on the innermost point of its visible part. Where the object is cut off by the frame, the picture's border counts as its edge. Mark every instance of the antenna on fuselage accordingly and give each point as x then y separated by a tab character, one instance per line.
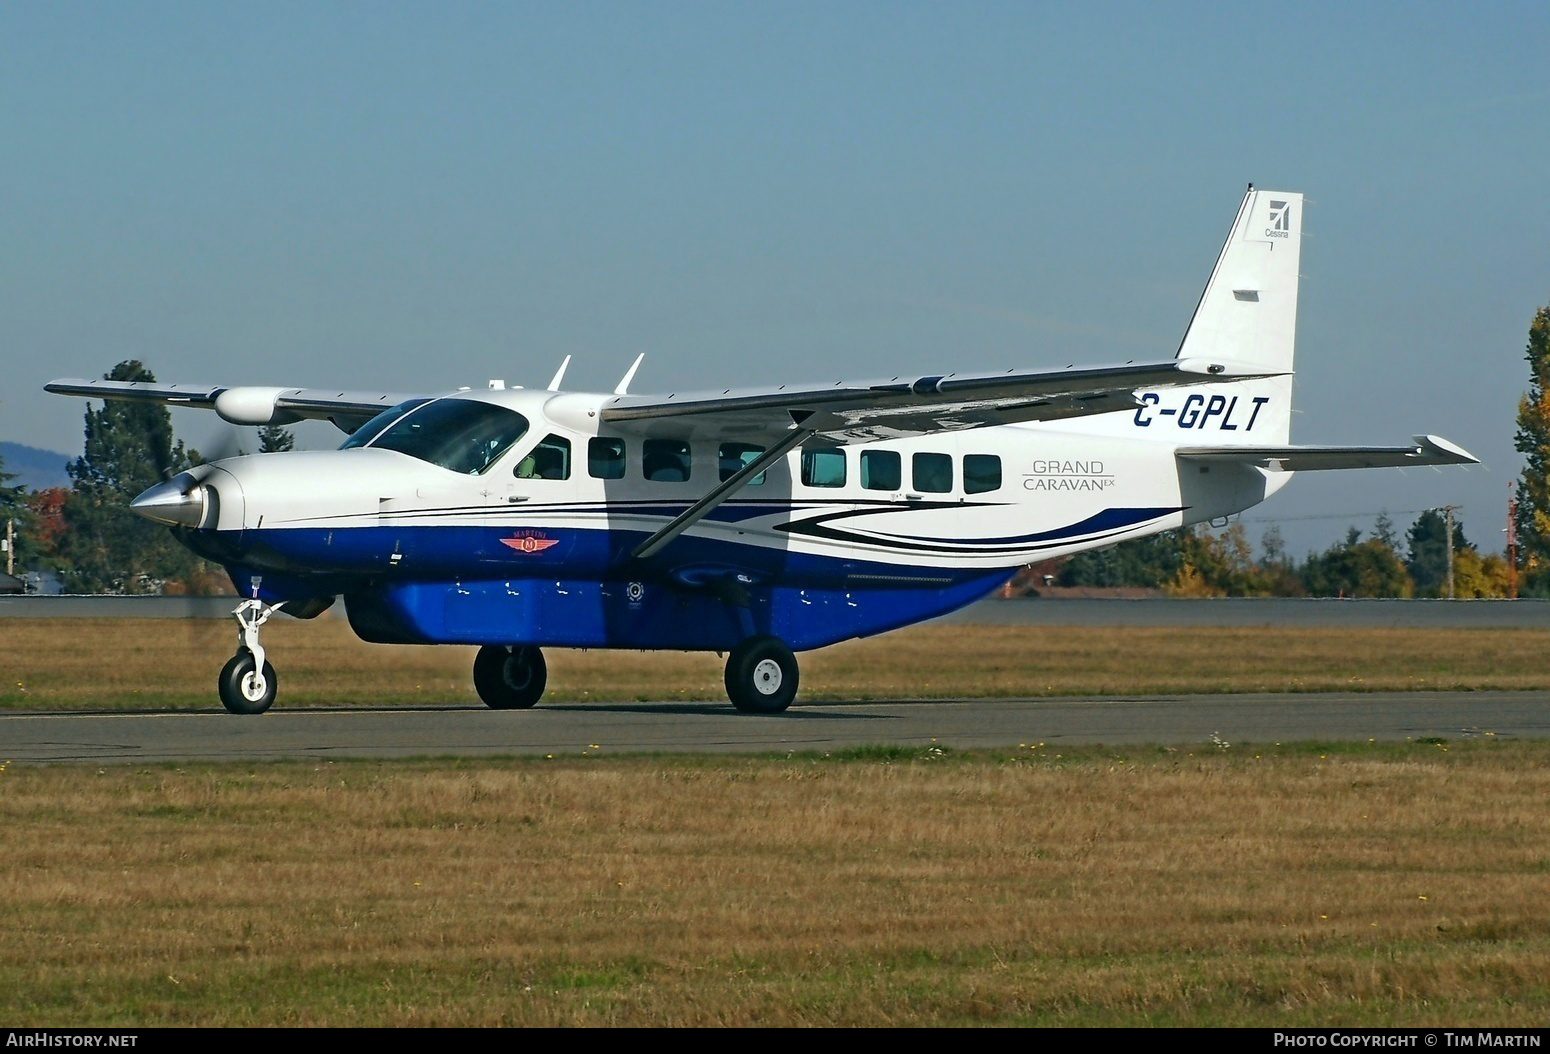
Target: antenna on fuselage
559	375
629	375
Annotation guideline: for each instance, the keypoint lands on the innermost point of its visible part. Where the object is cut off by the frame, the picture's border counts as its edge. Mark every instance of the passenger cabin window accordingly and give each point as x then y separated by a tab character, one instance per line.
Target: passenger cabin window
464	435
882	470
665	460
550	459
734	457
605	458
823	468
981	473
933	473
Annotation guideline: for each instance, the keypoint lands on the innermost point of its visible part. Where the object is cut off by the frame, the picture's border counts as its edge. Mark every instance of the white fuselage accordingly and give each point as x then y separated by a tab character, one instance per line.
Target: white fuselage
986	498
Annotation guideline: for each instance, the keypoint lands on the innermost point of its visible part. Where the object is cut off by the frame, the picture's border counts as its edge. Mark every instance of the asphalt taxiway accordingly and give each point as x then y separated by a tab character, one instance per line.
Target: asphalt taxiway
635	728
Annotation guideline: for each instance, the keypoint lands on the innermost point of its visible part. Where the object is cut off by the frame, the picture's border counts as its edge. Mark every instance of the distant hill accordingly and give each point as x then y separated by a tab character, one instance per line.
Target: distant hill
33	468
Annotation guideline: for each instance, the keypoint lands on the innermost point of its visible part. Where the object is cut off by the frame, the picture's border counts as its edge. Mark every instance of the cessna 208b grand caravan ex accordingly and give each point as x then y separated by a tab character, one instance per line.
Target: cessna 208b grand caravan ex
752	522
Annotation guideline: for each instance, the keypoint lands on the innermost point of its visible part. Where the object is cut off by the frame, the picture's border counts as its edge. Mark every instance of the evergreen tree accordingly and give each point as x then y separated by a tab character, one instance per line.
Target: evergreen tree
129	447
273	438
12	498
13	507
1278	570
1533	442
1383	530
1149	563
1428	560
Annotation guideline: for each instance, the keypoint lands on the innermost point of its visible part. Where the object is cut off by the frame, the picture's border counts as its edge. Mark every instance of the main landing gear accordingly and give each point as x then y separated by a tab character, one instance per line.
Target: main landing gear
762	675
510	678
247	683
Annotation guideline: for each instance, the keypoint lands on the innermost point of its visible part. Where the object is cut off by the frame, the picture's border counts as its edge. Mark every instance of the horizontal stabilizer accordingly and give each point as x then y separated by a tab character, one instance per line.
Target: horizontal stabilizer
1427	450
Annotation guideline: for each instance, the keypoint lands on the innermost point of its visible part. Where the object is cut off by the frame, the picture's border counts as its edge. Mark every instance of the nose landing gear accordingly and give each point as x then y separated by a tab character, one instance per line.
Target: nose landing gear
247	682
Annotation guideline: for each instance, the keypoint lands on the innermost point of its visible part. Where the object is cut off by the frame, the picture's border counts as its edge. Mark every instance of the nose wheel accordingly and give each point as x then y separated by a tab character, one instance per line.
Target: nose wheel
245	687
247	682
762	675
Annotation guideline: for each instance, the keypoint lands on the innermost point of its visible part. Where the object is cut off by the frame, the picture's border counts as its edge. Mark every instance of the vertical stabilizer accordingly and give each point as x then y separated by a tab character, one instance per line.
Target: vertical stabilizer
1248	312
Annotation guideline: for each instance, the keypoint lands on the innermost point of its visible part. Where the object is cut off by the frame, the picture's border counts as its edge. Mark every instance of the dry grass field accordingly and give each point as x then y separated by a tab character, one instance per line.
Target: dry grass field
1379	884
123	663
1375	884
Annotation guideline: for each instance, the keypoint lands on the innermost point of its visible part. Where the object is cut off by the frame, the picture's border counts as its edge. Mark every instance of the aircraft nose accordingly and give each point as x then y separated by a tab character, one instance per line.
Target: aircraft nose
180	502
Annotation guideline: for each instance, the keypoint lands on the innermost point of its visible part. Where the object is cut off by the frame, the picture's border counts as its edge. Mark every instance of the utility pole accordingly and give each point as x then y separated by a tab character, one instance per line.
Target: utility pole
1447	516
1512	540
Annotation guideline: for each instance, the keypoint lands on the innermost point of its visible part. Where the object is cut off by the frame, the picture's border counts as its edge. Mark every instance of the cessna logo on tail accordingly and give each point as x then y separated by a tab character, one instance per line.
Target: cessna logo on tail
1280	220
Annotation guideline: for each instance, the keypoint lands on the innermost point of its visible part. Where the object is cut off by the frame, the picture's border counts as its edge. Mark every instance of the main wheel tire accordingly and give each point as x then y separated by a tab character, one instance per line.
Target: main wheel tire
509	678
241	691
762	676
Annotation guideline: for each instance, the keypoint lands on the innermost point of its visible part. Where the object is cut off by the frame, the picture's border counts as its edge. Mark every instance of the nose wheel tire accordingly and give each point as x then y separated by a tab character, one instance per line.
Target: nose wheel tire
508	678
762	676
242	688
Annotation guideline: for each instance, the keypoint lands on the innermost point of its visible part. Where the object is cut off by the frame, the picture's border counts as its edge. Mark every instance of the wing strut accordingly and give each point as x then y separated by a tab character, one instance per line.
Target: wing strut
697	512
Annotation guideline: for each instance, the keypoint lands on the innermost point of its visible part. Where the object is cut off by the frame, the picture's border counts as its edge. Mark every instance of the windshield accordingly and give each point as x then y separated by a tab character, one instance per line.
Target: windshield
458	434
369	431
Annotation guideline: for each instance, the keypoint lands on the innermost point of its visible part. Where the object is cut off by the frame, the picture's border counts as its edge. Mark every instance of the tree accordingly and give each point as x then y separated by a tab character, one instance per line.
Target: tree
12	498
1278	571
1533	442
1428	560
129	447
46	525
273	438
1476	576
1149	563
1218	565
13	506
1356	568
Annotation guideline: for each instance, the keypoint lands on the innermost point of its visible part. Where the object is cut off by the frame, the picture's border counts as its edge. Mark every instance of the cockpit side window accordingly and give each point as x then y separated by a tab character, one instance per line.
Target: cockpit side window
463	435
550	459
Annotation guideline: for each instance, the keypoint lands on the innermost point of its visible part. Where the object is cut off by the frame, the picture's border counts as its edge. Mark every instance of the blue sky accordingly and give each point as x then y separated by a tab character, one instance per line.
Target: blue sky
416	197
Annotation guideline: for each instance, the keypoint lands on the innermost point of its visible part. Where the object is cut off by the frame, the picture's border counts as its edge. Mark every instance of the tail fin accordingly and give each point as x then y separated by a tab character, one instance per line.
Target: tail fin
1248	312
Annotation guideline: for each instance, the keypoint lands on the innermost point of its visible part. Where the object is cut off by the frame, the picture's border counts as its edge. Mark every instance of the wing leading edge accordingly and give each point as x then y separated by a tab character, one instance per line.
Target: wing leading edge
870	411
846	412
244	405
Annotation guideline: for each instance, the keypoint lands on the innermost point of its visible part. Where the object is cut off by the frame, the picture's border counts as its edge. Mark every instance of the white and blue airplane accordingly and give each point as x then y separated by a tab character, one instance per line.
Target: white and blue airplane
751	522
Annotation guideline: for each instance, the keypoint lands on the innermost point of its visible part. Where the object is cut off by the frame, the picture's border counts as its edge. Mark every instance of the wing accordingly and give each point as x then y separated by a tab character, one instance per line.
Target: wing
1427	450
245	405
869	411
